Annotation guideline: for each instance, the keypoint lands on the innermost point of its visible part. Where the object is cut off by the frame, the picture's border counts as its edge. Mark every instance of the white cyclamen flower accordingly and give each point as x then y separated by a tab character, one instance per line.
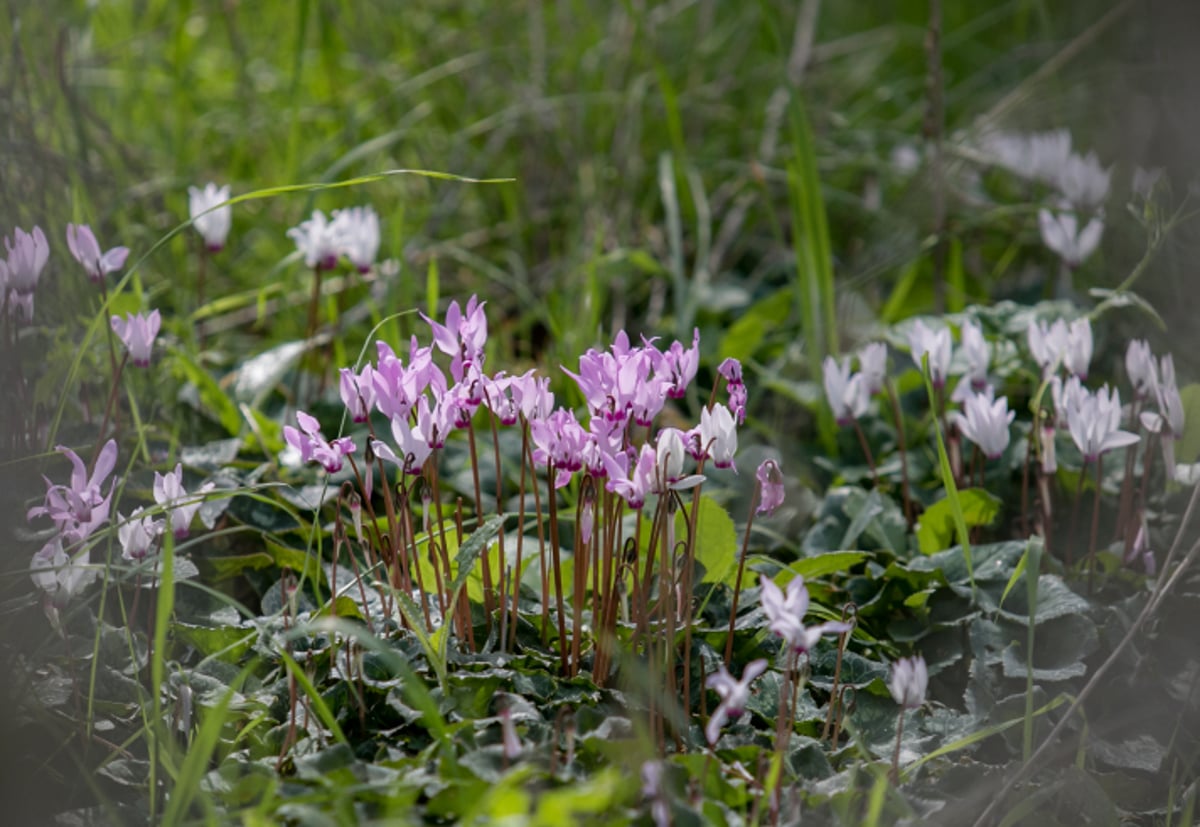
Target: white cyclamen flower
1061	233
937	344
909	682
1077	355
317	240
872	363
357	231
718	434
1141	368
978	355
212	224
1094	420
847	394
1047	344
1083	182
986	423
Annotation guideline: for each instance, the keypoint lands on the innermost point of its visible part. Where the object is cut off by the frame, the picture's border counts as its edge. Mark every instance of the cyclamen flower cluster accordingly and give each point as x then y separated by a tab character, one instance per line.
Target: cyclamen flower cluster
353	233
624	386
984	419
1156	382
61	568
1048	157
1081	181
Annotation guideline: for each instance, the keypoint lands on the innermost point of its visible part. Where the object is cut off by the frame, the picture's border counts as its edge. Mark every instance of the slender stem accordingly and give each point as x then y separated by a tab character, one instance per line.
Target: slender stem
108	408
1164	587
1095	524
1074	515
489	588
895	773
737	586
898	417
555	551
866	449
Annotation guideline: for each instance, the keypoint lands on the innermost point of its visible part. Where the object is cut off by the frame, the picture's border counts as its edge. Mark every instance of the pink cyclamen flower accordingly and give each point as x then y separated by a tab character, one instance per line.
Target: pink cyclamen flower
170	494
510	741
139	535
357	232
734	694
317	240
210	215
909	682
86	250
462	337
786	615
27	256
80	507
770	480
412	445
312	446
138	333
358	392
678	366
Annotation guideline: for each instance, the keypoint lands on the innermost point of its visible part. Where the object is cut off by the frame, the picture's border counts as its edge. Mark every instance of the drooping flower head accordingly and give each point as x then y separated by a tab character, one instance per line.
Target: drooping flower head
210	215
138	332
312	446
786	615
770	481
86	250
734	695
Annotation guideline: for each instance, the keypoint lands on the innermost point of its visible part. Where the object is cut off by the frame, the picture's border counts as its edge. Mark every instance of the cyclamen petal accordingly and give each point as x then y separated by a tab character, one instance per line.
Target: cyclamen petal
210	215
138	333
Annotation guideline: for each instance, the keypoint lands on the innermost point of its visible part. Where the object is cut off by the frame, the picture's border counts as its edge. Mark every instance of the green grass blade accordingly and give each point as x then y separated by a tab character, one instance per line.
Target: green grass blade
960	521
